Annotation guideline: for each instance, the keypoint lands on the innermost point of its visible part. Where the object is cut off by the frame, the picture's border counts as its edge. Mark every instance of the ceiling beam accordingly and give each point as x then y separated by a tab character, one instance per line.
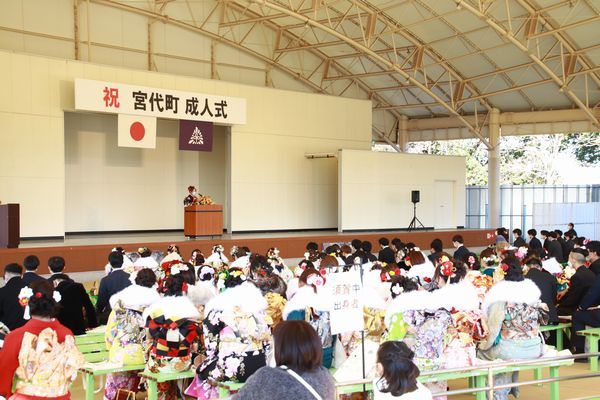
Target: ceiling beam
379	58
510	37
564	27
558	35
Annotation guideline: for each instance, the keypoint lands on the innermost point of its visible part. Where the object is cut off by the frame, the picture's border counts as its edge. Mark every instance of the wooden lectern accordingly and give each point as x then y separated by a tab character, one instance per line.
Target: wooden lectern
203	220
10	231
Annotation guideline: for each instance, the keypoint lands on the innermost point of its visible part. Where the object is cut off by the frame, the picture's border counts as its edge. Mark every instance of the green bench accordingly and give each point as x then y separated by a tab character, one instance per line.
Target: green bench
592	335
479	377
561	329
153	379
93	348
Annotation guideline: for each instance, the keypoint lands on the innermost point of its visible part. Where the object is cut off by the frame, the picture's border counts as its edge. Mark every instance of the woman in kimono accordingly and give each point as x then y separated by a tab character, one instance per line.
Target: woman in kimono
235	336
416	317
173	331
459	297
278	265
125	333
311	304
41	371
513	311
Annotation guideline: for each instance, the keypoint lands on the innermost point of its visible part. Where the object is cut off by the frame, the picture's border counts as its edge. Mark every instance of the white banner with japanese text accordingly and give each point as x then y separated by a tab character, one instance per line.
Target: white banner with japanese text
119	98
345	289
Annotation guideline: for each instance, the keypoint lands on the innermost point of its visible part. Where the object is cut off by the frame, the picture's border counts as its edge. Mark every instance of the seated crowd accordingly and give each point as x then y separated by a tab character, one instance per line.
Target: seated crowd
253	319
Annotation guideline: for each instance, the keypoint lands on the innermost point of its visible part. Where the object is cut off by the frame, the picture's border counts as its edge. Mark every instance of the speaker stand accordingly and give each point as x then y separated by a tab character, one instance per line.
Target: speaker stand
415	223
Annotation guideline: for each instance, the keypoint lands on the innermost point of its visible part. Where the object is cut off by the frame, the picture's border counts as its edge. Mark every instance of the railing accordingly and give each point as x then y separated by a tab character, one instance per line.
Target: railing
495	366
516	202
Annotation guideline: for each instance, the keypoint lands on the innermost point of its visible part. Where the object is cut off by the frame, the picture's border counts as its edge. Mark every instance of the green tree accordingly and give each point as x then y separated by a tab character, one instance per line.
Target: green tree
523	159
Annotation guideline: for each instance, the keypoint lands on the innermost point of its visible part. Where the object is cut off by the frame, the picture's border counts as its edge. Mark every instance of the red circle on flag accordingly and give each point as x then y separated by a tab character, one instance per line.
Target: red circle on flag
137	131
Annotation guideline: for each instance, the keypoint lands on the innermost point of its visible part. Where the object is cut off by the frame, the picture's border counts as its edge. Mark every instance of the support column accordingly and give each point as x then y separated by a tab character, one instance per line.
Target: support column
403	133
494	169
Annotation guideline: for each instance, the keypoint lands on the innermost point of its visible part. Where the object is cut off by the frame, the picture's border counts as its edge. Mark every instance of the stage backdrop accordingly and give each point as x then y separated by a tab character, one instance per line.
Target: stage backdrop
375	190
110	188
273	186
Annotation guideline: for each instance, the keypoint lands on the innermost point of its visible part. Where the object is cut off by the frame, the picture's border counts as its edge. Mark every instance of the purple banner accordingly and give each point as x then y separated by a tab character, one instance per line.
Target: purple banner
195	135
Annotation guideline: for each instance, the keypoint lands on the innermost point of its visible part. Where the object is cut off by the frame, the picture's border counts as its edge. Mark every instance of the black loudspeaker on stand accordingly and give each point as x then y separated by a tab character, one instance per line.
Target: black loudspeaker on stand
415	197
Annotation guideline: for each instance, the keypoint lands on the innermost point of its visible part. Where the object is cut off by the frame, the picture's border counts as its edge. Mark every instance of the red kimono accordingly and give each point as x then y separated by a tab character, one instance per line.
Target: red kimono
9	355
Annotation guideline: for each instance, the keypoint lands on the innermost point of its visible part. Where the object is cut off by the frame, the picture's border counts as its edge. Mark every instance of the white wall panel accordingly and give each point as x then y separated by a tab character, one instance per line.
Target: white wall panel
110	188
585	217
268	151
374	189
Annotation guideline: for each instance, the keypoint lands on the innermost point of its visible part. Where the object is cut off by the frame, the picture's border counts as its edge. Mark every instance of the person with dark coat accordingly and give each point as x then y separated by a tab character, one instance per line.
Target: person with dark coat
461	250
569	245
584	317
437	248
366	247
580	284
519	241
11	312
116	281
554	248
74	299
534	242
386	254
593	249
31	264
546	283
571	230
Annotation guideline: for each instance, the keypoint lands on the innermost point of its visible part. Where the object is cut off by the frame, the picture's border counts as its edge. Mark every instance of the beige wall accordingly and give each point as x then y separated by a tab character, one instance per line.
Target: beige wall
111	188
375	190
267	153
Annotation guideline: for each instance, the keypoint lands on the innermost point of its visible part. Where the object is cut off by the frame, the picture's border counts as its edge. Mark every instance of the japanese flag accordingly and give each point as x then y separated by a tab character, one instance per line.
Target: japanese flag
137	131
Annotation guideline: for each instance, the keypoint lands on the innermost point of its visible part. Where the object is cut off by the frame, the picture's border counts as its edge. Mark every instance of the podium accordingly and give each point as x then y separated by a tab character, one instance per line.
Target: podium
203	220
10	231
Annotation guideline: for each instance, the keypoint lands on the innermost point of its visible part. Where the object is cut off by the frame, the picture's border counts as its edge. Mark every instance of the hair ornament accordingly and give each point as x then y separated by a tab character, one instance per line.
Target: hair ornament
397	289
448	269
504	267
206	270
316	280
56	296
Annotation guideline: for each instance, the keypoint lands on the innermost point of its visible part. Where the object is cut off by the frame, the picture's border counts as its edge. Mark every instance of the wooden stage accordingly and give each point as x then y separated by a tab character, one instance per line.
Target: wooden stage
85	253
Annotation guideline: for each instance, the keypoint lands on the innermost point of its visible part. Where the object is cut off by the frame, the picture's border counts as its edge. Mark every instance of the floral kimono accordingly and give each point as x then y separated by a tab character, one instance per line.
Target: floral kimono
468	326
514	313
313	308
236	337
125	336
173	331
417	319
42	360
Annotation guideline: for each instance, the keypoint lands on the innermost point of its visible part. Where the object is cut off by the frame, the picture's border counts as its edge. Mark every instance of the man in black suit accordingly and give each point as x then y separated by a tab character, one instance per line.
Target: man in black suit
593	248
553	247
546	283
11	312
580	284
569	245
571	230
461	250
386	254
74	299
366	247
116	281
437	248
584	317
519	241
31	264
534	242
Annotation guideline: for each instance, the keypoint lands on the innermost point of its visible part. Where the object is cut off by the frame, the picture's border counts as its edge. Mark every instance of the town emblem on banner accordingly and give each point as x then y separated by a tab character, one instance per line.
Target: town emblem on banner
195	135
